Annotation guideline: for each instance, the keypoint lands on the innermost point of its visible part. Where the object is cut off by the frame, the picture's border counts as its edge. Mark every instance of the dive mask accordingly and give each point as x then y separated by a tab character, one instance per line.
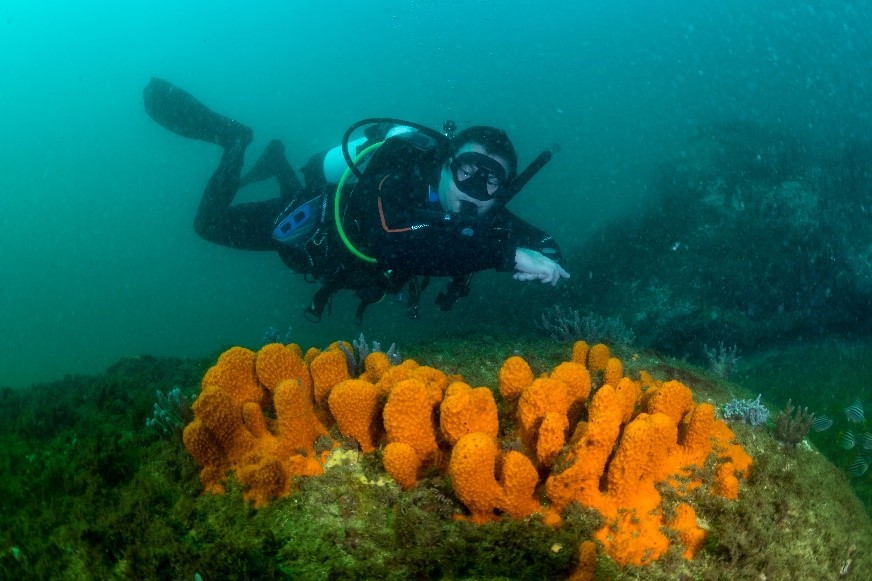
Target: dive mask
478	175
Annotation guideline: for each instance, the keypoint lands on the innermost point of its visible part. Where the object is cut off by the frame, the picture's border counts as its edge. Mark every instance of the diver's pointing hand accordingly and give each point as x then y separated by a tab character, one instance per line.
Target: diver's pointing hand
532	265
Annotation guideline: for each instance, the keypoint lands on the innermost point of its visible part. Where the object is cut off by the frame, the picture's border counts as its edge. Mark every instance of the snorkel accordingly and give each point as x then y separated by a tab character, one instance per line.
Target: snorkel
531	170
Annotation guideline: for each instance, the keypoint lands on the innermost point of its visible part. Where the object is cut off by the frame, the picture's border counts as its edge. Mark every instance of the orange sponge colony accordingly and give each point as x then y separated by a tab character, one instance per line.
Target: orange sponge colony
617	472
230	432
582	432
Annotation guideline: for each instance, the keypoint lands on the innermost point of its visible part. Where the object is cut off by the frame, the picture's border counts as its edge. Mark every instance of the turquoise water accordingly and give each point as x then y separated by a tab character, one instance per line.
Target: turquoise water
99	259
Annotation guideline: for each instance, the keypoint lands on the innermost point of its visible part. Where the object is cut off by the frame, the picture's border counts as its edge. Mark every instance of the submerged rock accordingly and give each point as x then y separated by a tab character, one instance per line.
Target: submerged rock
747	239
66	511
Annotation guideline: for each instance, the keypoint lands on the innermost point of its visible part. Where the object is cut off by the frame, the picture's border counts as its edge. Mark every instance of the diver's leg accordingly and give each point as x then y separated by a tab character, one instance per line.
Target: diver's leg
247	226
243	226
273	163
213	221
181	113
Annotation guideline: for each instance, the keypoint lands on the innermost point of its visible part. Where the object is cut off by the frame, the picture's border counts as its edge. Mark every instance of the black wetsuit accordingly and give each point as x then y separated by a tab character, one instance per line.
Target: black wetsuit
392	214
246	226
403	225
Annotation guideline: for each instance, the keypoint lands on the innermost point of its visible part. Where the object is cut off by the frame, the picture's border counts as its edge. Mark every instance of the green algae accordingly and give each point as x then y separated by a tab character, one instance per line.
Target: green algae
89	492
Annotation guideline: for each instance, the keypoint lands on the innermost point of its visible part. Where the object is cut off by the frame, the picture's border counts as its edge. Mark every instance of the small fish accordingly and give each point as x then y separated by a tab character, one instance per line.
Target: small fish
858	467
847	440
821	424
867	441
855	413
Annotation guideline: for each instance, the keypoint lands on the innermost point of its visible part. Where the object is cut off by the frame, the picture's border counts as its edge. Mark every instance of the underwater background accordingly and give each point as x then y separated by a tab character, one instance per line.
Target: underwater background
712	195
97	200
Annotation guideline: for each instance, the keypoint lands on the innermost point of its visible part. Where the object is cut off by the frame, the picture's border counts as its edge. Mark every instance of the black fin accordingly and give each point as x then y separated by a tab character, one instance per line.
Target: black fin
180	112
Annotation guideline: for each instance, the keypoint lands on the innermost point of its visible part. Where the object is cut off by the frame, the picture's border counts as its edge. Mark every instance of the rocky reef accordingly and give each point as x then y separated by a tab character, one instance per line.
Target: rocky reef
749	237
91	491
611	450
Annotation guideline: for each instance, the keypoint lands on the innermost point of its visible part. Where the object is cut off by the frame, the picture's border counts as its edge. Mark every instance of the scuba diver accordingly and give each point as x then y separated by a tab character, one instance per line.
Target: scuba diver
379	214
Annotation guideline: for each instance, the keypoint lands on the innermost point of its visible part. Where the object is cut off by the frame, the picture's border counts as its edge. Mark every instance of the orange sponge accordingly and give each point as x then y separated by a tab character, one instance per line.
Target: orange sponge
375	364
515	375
274	363
234	372
630	446
264	480
545	395
740	459
252	417
467	410
328	369
628	394
613	371
471	469
408	418
598	357
401	461
433	379
551	437
644	447
580	481
726	483
672	398
579	352
208	453
698	441
356	405
519	480
577	380
396	374
691	534
634	538
297	424
217	411
586	567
